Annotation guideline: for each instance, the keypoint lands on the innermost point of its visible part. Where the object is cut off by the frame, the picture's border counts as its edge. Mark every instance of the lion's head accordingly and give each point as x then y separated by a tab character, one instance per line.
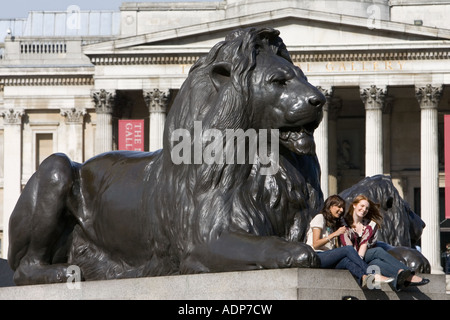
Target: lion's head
249	81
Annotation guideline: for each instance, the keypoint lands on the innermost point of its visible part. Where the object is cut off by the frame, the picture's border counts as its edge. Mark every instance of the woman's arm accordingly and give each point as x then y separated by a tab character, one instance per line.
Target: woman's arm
362	250
368	239
345	238
318	241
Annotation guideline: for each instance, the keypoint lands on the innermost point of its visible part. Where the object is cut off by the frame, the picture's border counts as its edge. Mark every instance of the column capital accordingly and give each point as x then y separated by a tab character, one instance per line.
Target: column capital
428	96
373	97
156	100
73	115
326	91
104	101
12	116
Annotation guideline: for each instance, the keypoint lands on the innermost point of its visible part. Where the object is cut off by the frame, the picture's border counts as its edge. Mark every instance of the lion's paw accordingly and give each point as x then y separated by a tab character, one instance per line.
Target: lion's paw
411	258
298	255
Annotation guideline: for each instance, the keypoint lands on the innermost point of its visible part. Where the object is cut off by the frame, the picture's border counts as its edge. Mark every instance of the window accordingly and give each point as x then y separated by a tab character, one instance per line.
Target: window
44	147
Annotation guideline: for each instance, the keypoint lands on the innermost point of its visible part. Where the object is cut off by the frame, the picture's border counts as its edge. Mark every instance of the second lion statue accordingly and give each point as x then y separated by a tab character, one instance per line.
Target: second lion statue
134	214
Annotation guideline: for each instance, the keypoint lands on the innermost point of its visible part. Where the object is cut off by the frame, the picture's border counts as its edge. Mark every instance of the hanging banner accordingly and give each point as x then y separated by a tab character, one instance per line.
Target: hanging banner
131	135
447	164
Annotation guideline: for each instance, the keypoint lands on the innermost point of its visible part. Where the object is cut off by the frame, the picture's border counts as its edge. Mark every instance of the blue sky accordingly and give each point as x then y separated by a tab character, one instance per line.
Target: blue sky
19	8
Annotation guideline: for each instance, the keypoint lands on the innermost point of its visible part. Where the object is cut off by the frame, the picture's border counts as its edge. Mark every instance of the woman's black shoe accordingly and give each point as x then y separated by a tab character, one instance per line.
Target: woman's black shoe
421	283
402	281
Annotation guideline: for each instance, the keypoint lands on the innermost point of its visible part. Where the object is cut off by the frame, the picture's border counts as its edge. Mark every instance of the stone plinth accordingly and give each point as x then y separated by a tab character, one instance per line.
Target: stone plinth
279	284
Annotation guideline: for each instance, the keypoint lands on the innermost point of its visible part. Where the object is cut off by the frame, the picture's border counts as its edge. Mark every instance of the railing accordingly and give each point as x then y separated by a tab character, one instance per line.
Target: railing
47	47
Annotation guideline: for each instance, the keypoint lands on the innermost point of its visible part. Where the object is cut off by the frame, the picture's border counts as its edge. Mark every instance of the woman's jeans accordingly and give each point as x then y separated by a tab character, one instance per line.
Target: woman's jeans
389	266
344	258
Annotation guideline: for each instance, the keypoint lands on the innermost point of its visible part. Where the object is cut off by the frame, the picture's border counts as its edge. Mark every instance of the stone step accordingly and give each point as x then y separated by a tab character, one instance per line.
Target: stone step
276	284
323	284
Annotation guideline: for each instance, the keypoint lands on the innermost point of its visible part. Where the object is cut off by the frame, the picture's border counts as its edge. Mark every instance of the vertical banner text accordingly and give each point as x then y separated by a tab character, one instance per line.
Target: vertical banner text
131	135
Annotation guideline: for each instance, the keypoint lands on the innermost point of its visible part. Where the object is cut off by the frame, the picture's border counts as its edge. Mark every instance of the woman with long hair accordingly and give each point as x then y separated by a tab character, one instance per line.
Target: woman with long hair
363	219
323	237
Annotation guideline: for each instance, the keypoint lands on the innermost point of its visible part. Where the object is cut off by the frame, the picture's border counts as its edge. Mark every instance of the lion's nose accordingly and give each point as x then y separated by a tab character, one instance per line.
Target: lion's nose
317	100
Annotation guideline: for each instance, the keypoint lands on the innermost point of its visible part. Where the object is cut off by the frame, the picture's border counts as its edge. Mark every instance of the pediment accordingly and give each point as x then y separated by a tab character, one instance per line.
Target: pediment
298	27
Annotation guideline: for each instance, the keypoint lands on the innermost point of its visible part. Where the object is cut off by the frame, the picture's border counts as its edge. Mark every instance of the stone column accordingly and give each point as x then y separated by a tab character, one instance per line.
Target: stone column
428	98
104	105
13	167
387	110
157	102
373	99
74	126
334	108
321	138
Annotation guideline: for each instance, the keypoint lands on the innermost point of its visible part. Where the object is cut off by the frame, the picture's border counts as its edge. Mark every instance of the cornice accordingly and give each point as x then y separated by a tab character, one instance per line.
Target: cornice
166	6
297	56
378	55
392	3
50	80
143	59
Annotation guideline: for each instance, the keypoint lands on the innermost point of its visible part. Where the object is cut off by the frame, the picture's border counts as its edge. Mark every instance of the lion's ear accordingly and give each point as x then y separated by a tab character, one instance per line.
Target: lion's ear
220	74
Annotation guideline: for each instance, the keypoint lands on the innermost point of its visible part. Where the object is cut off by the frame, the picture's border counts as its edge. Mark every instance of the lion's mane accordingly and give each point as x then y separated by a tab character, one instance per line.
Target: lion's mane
206	199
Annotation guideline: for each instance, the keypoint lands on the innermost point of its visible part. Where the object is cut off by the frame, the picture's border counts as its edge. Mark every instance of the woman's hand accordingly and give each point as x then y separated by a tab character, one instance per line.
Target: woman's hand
362	250
318	241
339	231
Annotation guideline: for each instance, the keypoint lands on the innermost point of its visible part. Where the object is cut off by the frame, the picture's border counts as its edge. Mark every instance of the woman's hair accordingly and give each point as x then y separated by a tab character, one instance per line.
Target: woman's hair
333	200
373	213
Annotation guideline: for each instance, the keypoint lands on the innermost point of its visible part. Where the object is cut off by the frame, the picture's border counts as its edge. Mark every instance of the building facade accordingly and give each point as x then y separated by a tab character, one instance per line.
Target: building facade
67	78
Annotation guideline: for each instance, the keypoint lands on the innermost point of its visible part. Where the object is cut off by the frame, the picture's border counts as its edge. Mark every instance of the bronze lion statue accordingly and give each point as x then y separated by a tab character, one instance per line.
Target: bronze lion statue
134	214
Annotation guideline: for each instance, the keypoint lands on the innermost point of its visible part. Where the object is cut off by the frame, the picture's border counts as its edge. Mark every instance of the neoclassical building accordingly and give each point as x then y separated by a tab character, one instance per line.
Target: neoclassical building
67	78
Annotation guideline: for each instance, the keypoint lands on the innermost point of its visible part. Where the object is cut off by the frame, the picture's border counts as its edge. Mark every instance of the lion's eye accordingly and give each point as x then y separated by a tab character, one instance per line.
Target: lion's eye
279	80
281	77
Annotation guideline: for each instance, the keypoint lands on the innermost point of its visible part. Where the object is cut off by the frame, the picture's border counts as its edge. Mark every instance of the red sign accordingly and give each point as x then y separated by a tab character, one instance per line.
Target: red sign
131	135
447	164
